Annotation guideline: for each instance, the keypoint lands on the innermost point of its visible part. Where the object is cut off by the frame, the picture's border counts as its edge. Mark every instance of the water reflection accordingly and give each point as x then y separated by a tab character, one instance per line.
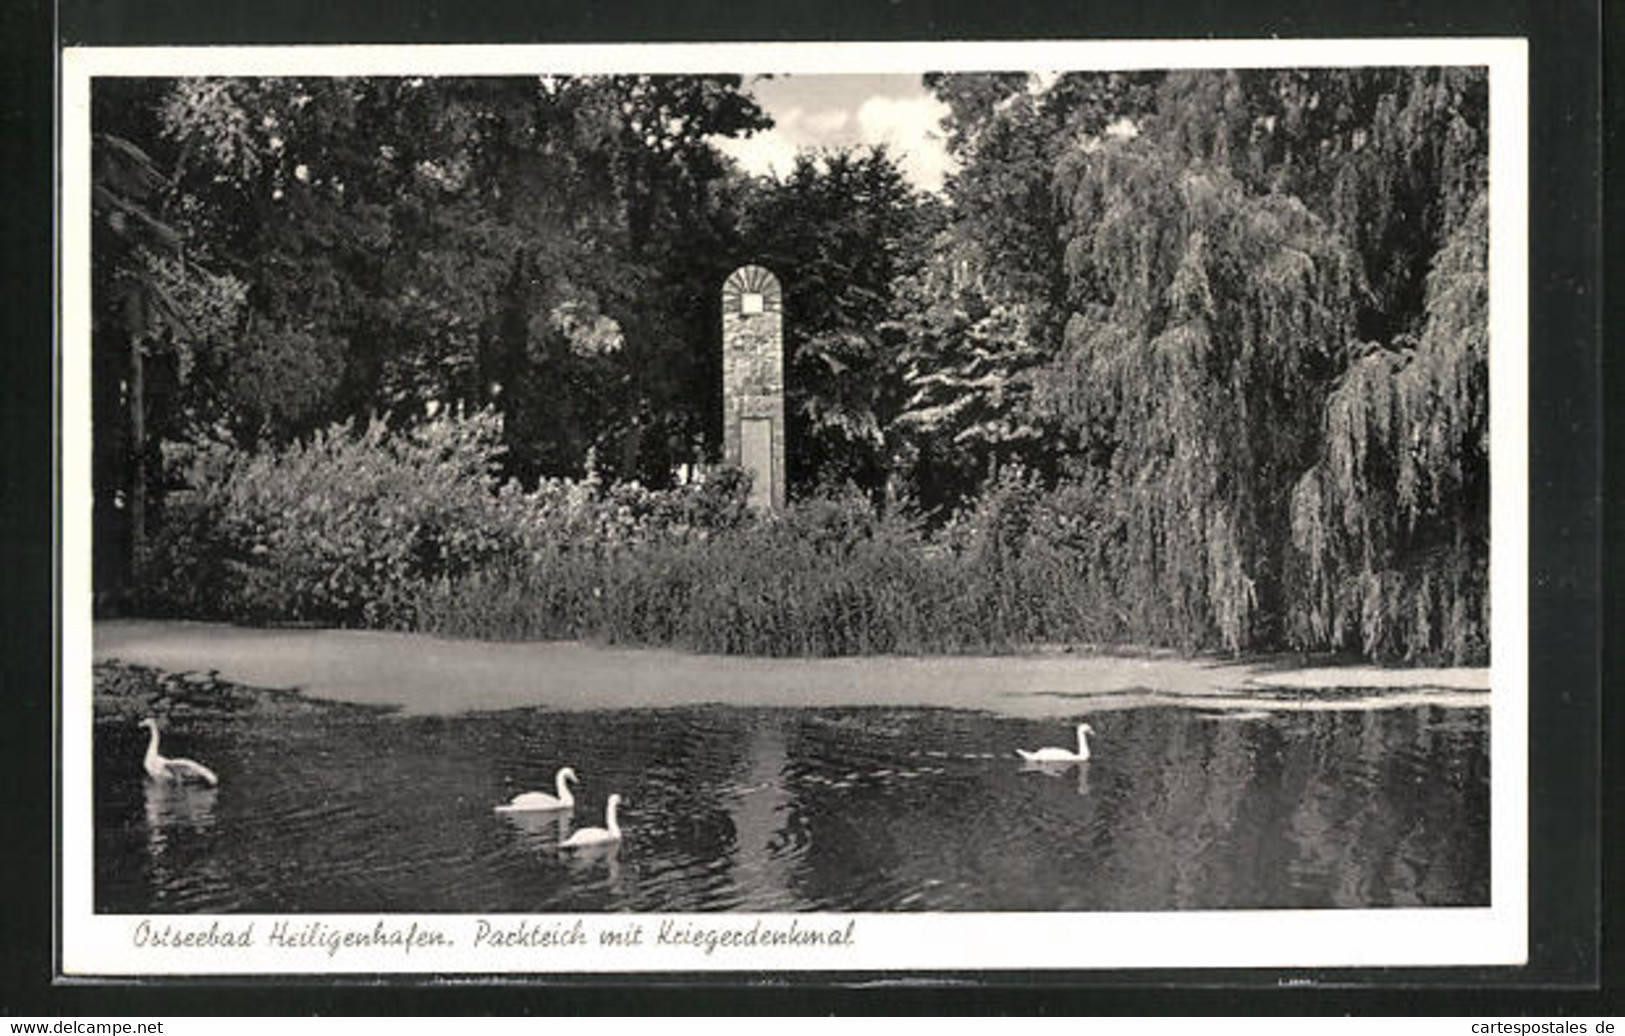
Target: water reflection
173	806
177	816
786	809
596	862
539	831
1052	769
761	807
178	822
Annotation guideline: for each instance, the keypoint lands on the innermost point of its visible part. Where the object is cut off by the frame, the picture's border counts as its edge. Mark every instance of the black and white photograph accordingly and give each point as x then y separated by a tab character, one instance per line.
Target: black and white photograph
549	509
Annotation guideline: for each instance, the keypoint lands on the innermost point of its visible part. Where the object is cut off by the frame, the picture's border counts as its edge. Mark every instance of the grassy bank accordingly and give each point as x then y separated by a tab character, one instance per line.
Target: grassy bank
422	674
774	590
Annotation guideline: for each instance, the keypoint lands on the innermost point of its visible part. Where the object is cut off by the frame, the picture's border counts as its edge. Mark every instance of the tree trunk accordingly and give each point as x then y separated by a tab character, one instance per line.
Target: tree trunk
138	443
632	452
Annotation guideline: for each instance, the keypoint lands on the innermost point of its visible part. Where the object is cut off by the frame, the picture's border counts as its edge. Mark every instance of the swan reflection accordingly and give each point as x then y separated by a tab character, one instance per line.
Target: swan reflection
174	808
591	861
1059	769
538	831
179	817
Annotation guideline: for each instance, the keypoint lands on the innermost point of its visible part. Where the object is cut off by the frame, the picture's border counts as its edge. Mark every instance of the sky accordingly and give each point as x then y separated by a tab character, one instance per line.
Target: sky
830	111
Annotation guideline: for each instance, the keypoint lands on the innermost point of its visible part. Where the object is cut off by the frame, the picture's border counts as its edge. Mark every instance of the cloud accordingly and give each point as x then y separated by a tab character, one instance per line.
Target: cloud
908	124
911	128
766	153
773	152
831	120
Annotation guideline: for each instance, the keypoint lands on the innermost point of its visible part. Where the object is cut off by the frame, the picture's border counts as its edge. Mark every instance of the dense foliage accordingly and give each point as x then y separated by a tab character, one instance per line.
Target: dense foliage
1392	521
356	524
1248	310
1193	358
845	227
364	526
1191	365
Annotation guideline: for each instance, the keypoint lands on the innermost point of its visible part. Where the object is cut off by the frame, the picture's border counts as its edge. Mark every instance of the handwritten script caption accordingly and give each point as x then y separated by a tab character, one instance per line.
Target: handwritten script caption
489	934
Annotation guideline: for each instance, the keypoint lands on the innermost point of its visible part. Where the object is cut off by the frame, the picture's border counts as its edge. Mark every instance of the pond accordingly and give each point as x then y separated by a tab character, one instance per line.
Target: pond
782	809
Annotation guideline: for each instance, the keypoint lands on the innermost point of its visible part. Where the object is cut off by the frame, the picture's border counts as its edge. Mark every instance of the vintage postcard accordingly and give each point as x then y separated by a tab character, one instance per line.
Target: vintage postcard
557	510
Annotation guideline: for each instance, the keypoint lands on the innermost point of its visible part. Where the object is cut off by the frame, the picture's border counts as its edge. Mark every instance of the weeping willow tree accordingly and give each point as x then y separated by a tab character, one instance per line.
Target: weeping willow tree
1391	524
1390	158
1260	335
1206	324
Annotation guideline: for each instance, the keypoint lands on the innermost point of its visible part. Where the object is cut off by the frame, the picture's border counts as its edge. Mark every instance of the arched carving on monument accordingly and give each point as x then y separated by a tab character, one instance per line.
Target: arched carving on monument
752	280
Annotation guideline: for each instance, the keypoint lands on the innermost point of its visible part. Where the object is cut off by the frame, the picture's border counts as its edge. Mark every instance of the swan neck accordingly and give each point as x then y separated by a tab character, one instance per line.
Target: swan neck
609	819
563	788
1083	743
152	742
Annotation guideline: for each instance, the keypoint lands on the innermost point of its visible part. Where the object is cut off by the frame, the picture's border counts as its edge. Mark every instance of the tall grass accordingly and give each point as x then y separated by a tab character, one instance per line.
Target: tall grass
828	578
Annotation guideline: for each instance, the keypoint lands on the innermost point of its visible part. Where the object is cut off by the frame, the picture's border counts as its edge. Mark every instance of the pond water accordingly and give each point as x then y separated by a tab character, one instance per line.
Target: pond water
772	809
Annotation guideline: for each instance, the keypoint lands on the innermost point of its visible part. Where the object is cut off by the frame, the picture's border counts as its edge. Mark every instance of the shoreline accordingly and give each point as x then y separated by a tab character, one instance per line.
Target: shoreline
423	675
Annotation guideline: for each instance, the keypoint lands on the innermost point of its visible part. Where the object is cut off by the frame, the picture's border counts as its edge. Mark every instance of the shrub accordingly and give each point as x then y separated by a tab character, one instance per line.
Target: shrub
373	526
341	529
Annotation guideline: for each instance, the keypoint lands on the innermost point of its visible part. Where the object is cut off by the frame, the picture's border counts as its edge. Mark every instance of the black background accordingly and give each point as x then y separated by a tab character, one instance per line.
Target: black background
1575	740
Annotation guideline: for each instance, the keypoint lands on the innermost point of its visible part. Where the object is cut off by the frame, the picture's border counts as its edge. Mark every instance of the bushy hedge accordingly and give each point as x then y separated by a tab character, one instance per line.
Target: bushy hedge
360	525
341	529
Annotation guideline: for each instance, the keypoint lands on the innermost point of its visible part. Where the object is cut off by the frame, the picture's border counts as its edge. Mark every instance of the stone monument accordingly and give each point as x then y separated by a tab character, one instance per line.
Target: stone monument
753	381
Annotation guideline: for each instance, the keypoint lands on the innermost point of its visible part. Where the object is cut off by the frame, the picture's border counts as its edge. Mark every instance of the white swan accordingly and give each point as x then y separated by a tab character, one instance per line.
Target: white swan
589	836
539	801
172	769
1061	755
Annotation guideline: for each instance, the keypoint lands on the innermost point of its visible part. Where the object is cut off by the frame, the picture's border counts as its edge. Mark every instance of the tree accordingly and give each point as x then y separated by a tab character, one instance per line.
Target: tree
415	242
995	309
1390	520
293	252
1392	159
966	366
1204	323
1238	301
153	298
1008	132
673	200
842	231
1391	523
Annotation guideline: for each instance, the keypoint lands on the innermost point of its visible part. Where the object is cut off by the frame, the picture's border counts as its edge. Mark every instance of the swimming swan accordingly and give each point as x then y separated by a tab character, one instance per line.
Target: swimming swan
1061	755
536	801
172	769
589	836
